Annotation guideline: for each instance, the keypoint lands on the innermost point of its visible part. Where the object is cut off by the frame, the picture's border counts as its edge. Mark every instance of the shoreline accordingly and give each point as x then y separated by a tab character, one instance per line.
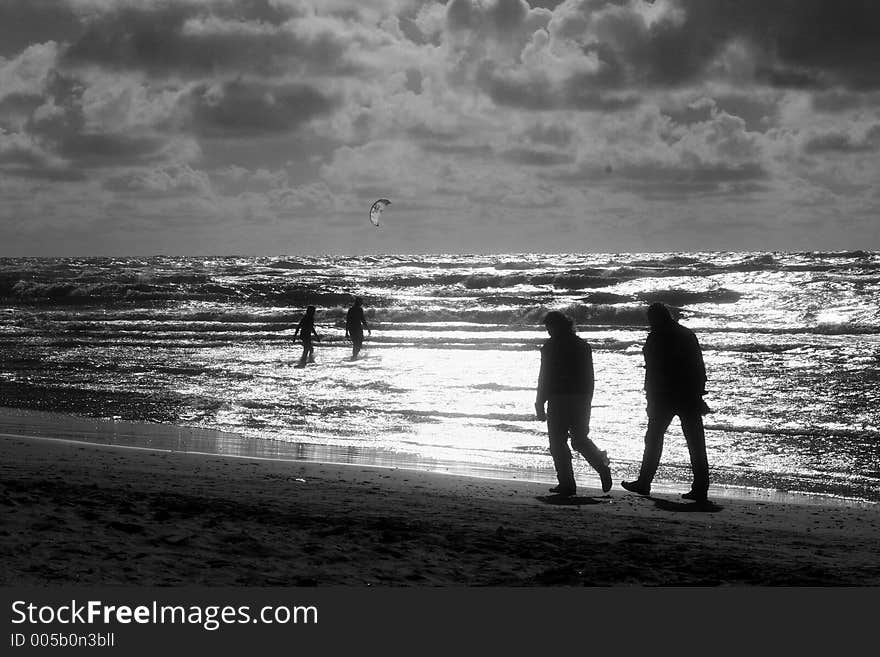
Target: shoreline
90	513
15	422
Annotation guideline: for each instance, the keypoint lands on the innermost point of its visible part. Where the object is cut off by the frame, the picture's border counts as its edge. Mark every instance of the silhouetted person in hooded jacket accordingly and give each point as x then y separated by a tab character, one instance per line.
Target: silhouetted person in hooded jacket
675	382
565	384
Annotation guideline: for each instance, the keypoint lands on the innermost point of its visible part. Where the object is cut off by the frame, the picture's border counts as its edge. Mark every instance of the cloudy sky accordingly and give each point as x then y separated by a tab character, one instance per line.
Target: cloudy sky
270	126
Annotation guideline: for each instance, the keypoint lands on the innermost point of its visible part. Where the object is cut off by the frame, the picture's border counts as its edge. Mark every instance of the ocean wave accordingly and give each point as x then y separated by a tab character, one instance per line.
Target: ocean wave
869	435
628	273
754	263
677	297
845	255
499	387
431	263
292	265
423	280
504	417
518	266
575	280
66	293
34	290
831	329
669	261
528	315
606	298
603	315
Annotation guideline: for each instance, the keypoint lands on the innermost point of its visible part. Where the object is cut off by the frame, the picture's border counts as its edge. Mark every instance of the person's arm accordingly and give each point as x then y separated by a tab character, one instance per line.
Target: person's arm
541	392
697	366
651	365
591	379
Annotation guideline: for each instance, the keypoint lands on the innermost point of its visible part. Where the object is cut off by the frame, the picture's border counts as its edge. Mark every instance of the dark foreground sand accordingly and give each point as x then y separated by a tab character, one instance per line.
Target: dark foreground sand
90	514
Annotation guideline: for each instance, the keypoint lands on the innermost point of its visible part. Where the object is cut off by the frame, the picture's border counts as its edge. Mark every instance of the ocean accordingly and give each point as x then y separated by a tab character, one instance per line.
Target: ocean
446	380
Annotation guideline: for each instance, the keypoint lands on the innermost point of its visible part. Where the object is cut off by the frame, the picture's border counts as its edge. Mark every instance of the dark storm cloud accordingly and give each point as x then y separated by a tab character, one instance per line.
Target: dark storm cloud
691	114
457	149
20	156
794	44
672	180
446	143
756	112
837	142
501	15
101	149
802	44
666	54
680	181
50	174
538	93
534	157
837	101
554	135
242	109
23	22
807	43
17	108
186	39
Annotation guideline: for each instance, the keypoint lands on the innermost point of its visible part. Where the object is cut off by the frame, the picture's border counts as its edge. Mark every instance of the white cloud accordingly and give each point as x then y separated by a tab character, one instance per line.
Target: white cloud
28	73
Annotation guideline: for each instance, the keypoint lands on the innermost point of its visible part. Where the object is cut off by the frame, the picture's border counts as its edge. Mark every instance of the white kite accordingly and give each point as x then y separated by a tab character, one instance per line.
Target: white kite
376	210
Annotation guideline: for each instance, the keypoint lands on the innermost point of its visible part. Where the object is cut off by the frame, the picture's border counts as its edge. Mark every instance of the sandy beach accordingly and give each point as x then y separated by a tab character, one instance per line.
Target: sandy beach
80	513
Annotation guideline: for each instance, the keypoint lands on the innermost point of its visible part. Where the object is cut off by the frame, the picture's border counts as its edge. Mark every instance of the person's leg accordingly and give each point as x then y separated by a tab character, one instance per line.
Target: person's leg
557	431
356	343
658	423
579	418
695	435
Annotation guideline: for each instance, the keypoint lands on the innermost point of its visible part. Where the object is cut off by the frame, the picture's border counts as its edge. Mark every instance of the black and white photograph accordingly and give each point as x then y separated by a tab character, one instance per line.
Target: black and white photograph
439	294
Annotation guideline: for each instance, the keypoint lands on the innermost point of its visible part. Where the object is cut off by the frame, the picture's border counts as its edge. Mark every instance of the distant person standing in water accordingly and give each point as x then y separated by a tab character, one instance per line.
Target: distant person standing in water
306	329
565	384
675	382
355	323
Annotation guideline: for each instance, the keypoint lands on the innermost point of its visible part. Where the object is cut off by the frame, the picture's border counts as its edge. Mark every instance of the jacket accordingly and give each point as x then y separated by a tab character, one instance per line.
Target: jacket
566	368
675	375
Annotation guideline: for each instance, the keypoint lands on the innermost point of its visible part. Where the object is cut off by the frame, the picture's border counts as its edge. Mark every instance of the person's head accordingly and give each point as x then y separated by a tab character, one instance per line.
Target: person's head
557	323
358	302
659	315
310	311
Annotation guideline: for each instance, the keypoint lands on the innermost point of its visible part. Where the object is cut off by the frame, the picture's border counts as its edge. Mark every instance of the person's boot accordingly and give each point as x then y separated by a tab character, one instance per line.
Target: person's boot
697	496
636	487
605	472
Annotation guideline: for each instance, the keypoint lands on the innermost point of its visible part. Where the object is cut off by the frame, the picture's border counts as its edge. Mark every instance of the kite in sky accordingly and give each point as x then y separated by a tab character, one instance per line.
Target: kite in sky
376	210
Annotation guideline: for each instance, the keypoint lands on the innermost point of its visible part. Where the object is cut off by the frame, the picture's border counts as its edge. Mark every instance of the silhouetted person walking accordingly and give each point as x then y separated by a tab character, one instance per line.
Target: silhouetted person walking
306	329
675	382
355	323
565	384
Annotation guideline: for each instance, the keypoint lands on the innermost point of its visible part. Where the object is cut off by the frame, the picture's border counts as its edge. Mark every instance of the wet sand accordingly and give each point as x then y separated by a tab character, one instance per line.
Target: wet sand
81	513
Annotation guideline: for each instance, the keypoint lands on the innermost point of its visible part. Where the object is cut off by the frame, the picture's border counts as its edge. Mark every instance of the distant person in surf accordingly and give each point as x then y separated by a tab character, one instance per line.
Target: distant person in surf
355	323
306	330
565	385
675	382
